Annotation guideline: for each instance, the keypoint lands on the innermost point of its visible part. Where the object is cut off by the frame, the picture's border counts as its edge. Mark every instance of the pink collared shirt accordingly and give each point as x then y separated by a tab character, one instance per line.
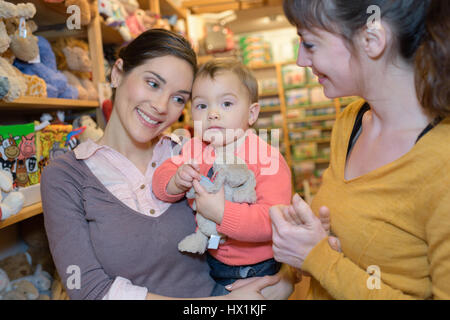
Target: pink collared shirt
124	180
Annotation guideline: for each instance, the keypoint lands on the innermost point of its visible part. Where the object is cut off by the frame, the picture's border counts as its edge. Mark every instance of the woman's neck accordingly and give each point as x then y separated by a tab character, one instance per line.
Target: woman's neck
394	103
117	138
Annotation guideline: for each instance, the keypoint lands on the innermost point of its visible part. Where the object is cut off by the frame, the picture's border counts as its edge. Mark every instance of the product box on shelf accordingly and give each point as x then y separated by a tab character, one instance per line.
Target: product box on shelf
18	153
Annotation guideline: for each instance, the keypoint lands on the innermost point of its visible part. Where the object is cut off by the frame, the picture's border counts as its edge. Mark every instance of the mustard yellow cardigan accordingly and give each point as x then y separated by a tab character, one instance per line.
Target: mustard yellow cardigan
393	222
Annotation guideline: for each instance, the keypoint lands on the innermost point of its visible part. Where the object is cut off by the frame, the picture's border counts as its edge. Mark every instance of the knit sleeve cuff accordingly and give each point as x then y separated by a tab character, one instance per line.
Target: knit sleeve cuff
160	181
231	218
320	259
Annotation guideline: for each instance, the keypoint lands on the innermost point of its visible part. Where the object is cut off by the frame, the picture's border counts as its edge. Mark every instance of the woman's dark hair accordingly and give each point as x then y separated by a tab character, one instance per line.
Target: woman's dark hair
420	30
155	43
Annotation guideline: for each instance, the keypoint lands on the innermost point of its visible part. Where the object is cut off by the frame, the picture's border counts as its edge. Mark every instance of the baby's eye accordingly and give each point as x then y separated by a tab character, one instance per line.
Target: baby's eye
179	100
201	106
227	104
153	84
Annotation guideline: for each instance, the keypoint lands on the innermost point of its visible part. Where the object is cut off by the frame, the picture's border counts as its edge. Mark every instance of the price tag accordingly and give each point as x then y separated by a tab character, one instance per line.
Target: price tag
213	242
22	28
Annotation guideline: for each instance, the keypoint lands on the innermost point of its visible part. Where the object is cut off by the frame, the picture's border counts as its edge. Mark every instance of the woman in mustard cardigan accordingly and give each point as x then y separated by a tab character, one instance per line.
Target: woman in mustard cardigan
387	187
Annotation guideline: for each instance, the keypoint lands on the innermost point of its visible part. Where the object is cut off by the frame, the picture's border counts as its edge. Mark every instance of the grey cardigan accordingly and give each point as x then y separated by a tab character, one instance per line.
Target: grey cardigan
89	228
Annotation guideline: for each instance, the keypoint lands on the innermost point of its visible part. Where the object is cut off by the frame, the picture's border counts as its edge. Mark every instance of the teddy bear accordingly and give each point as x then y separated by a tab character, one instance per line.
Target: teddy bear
72	57
11	202
92	131
20	289
12	85
56	81
24	46
239	186
86	9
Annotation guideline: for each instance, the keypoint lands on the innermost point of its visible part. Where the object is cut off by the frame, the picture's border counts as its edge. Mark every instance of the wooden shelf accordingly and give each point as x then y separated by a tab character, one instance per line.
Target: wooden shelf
25	213
170	8
315	118
317	140
315	160
270	109
268	94
310	128
30	103
320	105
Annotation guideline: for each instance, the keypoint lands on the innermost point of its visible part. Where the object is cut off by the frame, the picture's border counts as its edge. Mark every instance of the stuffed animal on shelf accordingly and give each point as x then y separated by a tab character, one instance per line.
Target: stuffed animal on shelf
86	10
11	202
56	81
239	186
72	57
114	14
12	85
92	131
20	289
24	46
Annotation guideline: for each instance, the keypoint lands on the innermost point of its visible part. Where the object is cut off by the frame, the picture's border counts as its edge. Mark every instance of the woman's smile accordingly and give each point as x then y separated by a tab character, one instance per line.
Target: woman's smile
147	119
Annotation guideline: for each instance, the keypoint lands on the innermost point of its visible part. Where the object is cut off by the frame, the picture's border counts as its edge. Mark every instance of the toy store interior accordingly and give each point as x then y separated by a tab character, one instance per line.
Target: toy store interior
55	61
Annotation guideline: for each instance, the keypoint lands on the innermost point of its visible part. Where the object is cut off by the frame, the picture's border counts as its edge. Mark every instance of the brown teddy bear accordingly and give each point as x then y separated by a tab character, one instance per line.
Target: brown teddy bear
72	58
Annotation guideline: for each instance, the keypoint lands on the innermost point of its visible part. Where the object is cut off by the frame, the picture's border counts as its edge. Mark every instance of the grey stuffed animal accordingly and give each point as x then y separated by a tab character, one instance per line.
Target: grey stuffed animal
239	186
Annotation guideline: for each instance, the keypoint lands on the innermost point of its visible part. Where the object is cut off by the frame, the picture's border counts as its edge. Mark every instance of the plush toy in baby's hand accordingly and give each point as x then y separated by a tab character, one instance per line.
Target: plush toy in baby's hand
239	186
10	202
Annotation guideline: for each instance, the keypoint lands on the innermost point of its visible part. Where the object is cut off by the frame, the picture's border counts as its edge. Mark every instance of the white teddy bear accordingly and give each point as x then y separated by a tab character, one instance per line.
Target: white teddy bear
11	202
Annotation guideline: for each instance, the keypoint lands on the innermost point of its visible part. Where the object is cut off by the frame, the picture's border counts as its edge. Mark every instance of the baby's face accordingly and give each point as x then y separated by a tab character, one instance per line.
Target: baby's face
222	107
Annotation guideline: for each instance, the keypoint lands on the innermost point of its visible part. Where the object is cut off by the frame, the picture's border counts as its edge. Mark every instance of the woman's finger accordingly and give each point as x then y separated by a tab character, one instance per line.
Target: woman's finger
303	210
294	216
240	283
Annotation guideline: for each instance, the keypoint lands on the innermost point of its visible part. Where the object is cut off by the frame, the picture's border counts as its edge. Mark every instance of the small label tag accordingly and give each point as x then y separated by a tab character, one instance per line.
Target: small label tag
22	28
213	242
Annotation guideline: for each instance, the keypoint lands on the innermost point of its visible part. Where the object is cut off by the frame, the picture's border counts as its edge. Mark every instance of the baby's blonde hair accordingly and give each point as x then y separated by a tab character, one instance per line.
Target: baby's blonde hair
214	66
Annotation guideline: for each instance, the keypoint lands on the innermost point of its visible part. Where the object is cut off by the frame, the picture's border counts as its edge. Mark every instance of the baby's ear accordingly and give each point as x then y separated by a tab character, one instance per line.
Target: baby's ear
253	113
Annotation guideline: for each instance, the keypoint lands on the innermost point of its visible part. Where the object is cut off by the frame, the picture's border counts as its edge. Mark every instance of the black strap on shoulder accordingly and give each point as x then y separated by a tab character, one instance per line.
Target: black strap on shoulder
357	125
433	124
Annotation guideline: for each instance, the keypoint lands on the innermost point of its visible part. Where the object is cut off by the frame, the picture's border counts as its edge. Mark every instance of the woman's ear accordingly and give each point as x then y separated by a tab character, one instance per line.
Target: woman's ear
253	113
116	73
374	40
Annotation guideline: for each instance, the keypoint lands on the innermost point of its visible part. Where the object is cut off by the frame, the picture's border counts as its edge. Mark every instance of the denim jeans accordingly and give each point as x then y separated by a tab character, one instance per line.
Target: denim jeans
224	274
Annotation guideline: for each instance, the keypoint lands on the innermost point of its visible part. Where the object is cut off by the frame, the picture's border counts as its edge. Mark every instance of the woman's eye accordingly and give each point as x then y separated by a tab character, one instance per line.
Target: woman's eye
180	100
153	84
307	45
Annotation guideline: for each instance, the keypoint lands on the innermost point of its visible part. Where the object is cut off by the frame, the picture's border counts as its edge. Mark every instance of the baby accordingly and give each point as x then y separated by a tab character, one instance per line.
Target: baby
224	107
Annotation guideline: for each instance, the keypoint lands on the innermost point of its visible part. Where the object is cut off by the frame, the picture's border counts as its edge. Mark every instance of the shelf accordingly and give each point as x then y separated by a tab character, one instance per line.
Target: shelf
318	140
319	105
315	160
268	94
30	103
301	86
310	128
25	213
270	109
316	118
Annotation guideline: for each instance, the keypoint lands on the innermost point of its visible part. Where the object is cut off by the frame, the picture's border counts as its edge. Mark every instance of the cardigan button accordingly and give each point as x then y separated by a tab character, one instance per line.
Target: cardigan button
152	211
153	164
143	186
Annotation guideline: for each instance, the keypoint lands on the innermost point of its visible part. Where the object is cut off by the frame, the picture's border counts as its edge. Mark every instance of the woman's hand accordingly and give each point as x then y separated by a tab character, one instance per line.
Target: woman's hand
278	291
292	242
251	289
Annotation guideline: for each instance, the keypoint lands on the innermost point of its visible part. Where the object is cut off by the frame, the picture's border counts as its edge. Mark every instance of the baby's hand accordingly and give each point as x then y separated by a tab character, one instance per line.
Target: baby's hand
324	216
183	178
